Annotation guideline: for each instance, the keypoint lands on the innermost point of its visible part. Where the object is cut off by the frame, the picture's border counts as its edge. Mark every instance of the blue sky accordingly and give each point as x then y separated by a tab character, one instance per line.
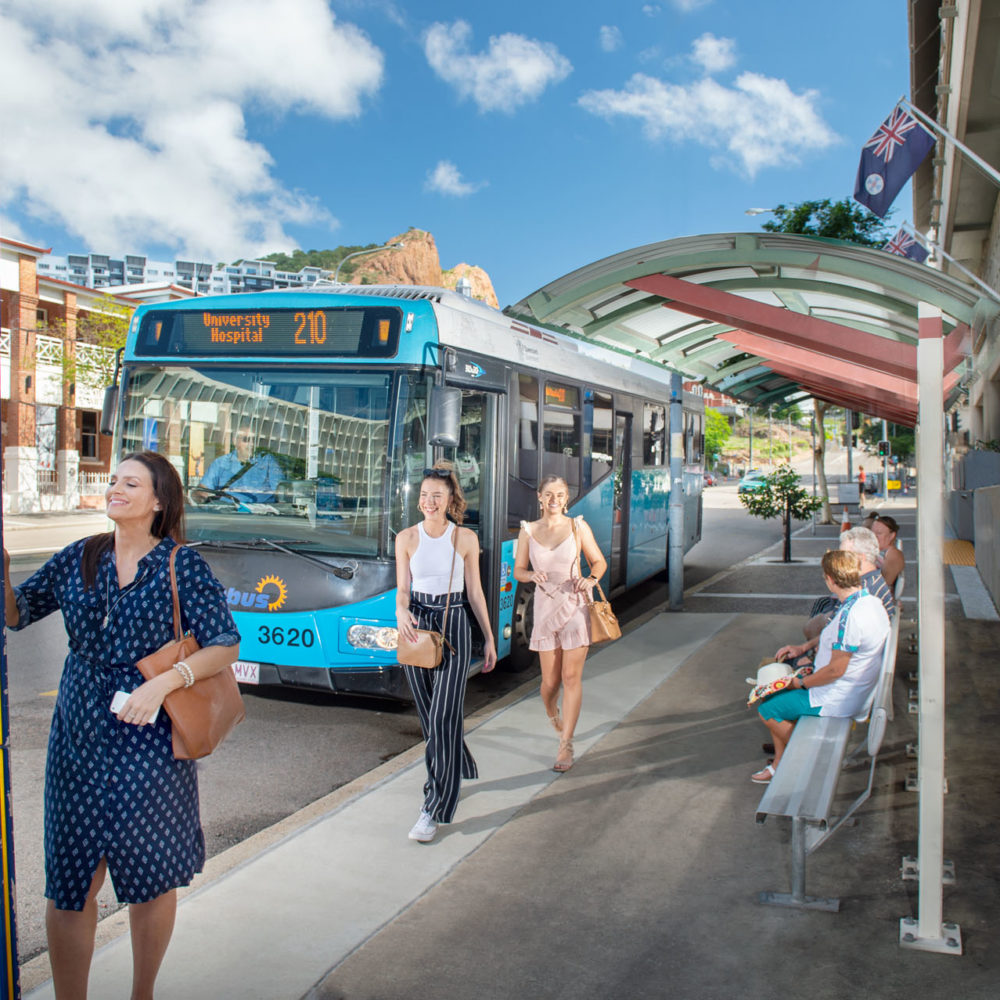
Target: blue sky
530	138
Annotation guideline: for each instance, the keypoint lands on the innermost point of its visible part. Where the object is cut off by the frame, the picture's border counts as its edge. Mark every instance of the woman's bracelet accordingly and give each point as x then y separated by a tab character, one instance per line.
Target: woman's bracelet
186	672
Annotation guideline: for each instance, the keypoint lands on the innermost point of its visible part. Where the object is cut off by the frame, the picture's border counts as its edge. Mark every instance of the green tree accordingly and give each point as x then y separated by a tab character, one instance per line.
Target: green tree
716	434
837	220
106	325
782	495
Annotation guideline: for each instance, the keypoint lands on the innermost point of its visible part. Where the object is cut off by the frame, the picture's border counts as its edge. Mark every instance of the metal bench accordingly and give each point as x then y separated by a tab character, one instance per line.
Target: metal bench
805	781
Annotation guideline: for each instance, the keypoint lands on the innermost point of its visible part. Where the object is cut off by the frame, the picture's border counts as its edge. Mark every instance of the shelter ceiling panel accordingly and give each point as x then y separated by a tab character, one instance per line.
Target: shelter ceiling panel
858	303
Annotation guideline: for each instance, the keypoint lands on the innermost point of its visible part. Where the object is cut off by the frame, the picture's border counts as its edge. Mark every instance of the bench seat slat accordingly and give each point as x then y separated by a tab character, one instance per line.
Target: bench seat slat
805	784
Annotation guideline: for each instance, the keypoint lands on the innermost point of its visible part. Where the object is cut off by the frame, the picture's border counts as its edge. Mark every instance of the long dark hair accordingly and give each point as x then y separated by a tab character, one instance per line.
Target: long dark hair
168	521
457	504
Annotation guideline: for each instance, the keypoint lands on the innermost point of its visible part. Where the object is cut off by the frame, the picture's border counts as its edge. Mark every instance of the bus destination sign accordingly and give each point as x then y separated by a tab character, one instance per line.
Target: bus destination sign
342	332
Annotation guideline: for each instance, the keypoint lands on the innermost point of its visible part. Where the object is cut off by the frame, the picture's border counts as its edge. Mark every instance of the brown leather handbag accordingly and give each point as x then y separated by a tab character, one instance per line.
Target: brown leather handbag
202	715
428	650
604	625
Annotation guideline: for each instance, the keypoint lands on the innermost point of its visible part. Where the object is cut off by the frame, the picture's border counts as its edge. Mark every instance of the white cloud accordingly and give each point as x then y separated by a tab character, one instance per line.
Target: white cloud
513	72
127	127
445	178
688	6
651	9
714	54
759	122
611	38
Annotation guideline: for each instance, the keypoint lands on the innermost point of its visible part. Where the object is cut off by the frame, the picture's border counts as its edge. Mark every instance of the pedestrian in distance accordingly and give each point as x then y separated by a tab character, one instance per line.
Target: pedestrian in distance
548	555
116	799
436	558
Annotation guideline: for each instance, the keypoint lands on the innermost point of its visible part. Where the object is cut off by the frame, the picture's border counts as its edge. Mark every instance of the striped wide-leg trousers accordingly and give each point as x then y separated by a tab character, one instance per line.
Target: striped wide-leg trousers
440	698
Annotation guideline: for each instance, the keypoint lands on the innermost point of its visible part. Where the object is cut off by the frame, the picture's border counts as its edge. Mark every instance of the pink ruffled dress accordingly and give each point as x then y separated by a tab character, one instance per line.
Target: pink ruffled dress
560	611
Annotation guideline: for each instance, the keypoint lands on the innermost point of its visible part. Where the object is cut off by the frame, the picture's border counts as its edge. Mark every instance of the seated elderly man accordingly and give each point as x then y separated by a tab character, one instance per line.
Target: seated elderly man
864	544
847	660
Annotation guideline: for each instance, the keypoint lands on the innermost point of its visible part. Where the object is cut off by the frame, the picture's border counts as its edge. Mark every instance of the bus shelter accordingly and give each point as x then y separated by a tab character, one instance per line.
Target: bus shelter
768	318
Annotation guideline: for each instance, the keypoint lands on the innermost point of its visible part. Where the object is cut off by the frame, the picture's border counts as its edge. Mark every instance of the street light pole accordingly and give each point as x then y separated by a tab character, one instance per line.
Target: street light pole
358	253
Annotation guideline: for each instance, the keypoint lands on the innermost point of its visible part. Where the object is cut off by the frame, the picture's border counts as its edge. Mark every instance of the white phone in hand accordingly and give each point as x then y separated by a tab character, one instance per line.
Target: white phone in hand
119	700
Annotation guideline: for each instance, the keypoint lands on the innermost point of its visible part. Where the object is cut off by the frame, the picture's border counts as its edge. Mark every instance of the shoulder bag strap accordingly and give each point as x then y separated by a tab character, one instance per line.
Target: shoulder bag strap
451	573
579	547
173	588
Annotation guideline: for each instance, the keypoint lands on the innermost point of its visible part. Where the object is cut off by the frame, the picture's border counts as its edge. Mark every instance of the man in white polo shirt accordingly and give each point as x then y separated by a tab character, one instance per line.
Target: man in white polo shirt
847	661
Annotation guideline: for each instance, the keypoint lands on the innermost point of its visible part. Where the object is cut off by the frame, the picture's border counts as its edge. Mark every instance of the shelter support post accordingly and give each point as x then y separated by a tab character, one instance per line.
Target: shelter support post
885	463
675	531
928	932
8	917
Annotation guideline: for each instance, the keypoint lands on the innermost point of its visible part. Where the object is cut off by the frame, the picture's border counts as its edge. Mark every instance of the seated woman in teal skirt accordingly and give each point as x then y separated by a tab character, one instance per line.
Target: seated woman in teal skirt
847	662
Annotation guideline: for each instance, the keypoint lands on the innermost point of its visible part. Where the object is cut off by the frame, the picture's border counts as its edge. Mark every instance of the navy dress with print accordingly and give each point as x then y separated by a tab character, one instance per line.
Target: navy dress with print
114	790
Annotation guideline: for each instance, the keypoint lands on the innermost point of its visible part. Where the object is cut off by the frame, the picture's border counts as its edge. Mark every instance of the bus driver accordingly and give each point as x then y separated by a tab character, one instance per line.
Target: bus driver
241	475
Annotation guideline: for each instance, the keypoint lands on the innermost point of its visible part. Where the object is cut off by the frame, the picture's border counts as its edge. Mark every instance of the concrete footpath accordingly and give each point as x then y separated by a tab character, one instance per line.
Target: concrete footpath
633	875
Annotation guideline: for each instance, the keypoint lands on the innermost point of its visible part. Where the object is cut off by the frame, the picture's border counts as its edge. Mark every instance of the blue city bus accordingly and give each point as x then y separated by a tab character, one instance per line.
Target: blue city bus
347	393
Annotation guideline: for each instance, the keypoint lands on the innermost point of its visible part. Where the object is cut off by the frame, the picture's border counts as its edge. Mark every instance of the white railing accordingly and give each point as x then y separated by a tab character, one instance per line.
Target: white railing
48	350
92	482
47	481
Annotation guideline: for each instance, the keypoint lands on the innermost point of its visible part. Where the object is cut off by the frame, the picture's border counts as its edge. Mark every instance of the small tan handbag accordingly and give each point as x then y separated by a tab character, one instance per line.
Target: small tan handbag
203	715
604	625
428	650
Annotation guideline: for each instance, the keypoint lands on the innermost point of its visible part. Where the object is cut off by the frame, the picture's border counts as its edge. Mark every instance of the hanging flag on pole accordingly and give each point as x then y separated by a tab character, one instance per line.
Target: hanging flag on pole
888	160
905	245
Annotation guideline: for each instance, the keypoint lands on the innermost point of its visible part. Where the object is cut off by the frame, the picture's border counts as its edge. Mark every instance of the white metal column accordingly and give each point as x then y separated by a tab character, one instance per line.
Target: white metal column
928	932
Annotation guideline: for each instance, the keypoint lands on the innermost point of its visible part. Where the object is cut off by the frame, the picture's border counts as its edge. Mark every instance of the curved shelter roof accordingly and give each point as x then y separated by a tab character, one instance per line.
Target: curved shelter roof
771	317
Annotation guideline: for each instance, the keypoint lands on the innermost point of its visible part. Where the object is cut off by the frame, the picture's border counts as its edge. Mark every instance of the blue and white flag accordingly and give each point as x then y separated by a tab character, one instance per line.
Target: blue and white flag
905	245
888	160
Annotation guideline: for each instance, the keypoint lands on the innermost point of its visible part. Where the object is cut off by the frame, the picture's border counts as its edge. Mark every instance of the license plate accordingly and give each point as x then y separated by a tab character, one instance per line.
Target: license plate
246	671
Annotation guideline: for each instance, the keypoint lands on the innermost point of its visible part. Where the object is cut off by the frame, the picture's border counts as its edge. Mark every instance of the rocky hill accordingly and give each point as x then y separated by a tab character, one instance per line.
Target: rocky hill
418	263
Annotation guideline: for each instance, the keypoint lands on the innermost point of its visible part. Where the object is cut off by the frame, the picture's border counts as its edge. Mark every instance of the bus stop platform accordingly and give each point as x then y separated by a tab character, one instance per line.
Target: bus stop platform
635	874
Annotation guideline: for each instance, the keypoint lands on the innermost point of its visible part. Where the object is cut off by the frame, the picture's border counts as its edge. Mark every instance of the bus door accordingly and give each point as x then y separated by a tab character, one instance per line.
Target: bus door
622	495
478	473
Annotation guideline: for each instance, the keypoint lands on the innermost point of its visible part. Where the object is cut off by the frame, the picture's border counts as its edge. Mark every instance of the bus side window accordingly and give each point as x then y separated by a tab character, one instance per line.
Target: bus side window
654	433
522	499
598	437
561	435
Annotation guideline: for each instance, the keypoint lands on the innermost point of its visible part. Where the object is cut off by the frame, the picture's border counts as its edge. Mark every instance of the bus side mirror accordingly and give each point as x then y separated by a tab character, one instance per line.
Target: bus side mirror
109	410
444	418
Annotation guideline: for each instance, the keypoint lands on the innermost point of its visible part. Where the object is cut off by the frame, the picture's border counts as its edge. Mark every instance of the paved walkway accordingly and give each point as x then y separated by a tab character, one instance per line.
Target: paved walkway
633	875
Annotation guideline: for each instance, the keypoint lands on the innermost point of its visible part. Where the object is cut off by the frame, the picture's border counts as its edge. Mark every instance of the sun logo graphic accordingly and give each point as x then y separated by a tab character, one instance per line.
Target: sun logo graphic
277	596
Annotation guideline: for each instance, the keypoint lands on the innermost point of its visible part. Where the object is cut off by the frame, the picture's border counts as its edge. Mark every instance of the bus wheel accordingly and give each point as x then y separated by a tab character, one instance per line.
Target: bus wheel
521	657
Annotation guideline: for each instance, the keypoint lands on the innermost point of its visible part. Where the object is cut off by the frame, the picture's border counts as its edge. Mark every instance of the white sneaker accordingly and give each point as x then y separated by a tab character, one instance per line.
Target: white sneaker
424	829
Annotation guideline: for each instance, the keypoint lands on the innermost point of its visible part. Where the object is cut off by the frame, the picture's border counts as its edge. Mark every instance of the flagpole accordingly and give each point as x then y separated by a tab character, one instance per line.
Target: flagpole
944	253
990	172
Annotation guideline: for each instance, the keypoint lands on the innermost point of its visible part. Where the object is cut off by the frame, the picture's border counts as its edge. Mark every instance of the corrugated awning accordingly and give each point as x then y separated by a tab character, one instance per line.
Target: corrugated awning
769	317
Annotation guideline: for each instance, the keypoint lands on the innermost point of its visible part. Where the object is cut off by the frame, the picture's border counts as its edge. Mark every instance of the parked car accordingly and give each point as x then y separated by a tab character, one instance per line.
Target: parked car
752	481
709	479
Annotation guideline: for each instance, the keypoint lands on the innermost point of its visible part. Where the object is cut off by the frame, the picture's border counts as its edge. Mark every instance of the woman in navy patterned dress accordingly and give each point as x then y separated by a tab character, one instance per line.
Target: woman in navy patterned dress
116	800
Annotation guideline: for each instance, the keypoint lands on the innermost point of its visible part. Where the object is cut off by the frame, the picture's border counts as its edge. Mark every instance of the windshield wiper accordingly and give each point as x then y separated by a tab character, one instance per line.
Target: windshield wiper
345	572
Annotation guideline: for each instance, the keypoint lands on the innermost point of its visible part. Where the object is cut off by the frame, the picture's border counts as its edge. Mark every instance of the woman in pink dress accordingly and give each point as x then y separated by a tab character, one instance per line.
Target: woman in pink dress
561	631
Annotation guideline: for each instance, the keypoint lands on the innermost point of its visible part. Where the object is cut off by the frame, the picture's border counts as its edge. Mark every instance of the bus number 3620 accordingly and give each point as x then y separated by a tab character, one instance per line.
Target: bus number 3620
285	636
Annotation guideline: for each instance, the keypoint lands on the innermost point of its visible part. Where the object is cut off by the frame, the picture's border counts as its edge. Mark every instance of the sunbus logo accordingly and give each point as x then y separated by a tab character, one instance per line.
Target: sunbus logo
270	594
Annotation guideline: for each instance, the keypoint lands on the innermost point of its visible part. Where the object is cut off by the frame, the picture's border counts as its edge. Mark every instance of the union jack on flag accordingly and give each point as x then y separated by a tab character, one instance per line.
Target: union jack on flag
889	158
891	133
904	245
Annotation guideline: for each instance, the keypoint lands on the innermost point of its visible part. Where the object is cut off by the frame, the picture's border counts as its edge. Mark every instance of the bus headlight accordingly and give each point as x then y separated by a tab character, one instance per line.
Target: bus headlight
372	636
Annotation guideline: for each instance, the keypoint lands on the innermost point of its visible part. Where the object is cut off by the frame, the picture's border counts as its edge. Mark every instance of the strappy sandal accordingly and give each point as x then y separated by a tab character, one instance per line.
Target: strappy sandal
565	759
763	776
556	721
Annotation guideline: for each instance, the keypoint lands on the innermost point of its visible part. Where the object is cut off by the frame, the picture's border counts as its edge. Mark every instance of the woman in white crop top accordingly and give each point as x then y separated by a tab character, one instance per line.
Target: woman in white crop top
436	558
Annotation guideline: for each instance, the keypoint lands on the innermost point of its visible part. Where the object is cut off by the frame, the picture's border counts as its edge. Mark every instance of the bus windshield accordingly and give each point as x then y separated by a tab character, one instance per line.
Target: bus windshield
295	456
